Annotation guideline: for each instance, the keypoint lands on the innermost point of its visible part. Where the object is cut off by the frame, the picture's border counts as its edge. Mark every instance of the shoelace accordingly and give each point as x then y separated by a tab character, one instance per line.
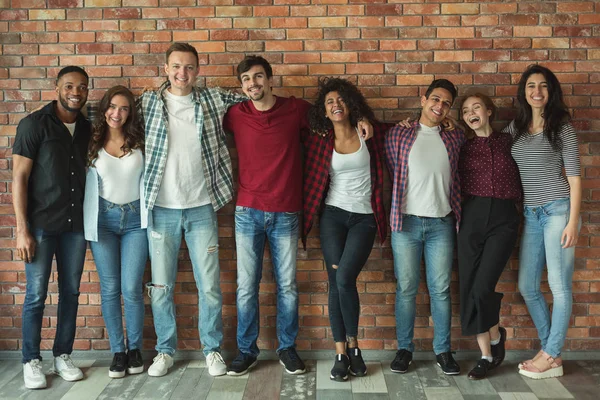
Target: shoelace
213	357
161	357
36	367
69	363
293	355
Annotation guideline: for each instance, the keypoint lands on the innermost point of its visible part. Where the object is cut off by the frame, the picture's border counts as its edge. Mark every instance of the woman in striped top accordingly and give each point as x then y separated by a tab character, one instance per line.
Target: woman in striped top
545	143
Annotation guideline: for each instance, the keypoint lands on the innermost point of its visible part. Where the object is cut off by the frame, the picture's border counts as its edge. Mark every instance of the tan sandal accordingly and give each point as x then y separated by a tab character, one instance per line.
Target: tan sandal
552	369
538	355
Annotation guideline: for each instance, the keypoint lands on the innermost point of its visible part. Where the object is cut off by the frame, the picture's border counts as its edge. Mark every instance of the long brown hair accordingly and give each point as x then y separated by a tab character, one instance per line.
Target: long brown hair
487	102
132	129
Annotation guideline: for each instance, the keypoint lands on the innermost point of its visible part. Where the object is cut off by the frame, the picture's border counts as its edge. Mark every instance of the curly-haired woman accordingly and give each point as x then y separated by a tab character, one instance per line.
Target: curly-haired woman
115	226
346	173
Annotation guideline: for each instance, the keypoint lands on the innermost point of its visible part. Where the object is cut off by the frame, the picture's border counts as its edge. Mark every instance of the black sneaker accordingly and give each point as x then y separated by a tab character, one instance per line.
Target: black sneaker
291	361
447	363
241	364
339	372
499	350
480	370
135	363
401	361
357	364
118	366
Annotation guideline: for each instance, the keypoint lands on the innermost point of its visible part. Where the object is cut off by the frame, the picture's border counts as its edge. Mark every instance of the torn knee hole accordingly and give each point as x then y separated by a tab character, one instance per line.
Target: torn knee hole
212	249
334	266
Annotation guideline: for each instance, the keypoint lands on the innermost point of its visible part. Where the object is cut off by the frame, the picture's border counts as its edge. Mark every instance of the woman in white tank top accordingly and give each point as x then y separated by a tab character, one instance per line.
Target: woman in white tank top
346	173
113	208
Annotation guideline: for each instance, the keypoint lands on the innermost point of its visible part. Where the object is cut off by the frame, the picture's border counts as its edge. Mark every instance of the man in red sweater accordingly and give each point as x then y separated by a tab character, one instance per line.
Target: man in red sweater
267	131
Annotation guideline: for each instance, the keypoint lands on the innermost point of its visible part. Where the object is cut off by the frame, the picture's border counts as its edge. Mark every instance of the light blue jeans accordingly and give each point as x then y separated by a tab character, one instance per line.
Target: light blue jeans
120	255
199	227
540	245
435	238
252	228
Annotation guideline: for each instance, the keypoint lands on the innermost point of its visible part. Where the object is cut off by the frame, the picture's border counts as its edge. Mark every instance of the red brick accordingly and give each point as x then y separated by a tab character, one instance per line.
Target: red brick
122	13
100	25
403	21
76	37
64	26
420	9
302	58
474	43
419	33
337	57
495	8
555	43
346	10
277	34
379	33
398	45
213	23
460	9
529	55
341	33
558	19
572	31
26	26
316	45
289	22
479	20
540	7
444	56
493	31
328	22
378	56
441	20
455	33
271	11
94	48
152	36
383	9
326	69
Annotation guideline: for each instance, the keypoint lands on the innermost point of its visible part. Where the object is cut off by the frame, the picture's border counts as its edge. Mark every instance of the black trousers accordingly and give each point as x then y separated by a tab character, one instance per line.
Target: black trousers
487	236
346	241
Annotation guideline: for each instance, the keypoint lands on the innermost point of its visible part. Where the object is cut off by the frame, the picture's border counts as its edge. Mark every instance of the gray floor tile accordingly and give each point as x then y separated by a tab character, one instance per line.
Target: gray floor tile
505	378
264	381
323	374
373	382
95	381
405	386
548	388
431	375
481	397
195	383
228	388
517	396
443	393
124	388
370	396
334	394
471	387
300	387
162	387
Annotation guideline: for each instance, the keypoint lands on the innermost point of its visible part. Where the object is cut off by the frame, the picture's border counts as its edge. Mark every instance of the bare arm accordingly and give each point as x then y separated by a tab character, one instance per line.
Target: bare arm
25	242
571	232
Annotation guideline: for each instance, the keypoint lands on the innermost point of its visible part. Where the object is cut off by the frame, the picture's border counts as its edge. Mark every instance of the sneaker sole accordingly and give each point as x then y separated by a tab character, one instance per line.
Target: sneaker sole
67	378
135	370
339	379
154	374
296	372
217	373
398	371
359	374
448	373
41	385
116	374
244	372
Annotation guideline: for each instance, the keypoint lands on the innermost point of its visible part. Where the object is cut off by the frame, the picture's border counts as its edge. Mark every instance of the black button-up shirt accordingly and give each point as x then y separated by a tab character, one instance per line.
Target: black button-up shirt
57	180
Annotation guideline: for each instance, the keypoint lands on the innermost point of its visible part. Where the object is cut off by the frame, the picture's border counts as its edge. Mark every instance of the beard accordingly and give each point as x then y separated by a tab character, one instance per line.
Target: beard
66	106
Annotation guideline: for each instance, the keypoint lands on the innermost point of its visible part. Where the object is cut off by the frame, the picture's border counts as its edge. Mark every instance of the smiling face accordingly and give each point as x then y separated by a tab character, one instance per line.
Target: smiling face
475	114
335	107
182	70
255	83
536	91
72	90
118	111
435	107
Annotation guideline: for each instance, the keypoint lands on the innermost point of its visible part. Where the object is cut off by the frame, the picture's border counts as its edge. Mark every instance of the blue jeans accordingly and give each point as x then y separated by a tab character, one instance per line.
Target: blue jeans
540	244
69	249
252	227
199	227
434	237
120	254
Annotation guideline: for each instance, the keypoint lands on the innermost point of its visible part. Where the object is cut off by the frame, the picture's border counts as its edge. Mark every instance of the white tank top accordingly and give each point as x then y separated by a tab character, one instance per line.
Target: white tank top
119	178
350	181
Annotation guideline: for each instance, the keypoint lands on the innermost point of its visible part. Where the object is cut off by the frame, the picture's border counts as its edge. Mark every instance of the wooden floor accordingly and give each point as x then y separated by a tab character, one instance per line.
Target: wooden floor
190	380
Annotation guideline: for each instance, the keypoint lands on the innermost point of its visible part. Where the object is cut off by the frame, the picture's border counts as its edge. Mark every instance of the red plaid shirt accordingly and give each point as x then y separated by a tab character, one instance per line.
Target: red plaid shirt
319	151
398	143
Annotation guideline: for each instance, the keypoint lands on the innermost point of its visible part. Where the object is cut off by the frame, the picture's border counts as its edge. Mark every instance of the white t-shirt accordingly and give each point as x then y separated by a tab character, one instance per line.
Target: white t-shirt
427	191
119	178
350	181
183	184
70	127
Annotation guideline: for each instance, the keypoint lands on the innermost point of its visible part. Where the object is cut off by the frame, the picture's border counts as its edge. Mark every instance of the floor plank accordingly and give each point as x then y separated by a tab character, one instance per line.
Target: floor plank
195	383
517	396
373	382
228	388
405	386
548	388
124	388
300	387
94	382
161	387
443	393
265	381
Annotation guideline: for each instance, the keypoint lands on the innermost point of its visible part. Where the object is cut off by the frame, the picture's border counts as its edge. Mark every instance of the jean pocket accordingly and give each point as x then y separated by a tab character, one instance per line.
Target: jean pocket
241	210
557	207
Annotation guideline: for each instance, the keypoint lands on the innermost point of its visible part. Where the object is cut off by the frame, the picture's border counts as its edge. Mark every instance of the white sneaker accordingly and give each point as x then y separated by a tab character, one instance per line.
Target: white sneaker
64	366
33	375
216	364
160	366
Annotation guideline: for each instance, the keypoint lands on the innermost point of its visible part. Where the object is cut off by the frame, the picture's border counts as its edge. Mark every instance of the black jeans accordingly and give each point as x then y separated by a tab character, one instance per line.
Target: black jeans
346	241
486	239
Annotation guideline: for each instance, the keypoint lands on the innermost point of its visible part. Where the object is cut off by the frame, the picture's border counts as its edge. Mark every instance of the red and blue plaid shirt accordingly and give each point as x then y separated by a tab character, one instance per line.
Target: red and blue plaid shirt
398	143
319	151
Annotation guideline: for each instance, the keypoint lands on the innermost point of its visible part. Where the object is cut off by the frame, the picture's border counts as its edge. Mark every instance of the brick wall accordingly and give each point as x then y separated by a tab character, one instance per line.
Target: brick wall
390	49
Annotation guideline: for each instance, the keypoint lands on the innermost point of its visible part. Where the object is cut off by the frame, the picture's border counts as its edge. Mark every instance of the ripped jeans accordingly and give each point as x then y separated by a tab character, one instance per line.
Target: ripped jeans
199	227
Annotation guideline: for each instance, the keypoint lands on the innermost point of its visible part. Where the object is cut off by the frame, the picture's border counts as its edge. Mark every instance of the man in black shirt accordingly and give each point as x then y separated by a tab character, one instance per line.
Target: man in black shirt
49	158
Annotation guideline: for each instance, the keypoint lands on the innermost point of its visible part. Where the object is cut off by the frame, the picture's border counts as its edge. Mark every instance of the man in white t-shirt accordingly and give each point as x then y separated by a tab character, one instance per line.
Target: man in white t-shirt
423	164
188	177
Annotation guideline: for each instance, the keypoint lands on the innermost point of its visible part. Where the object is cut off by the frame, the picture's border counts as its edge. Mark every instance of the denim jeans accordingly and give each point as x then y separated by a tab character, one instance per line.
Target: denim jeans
346	241
435	238
69	249
540	244
120	254
199	227
252	227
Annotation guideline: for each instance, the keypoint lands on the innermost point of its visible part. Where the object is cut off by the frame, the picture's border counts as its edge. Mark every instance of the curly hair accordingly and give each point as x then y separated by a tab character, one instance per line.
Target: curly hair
555	114
353	98
132	129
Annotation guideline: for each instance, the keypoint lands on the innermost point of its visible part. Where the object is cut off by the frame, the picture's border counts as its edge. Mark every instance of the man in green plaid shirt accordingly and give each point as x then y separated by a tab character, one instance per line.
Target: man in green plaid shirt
188	177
